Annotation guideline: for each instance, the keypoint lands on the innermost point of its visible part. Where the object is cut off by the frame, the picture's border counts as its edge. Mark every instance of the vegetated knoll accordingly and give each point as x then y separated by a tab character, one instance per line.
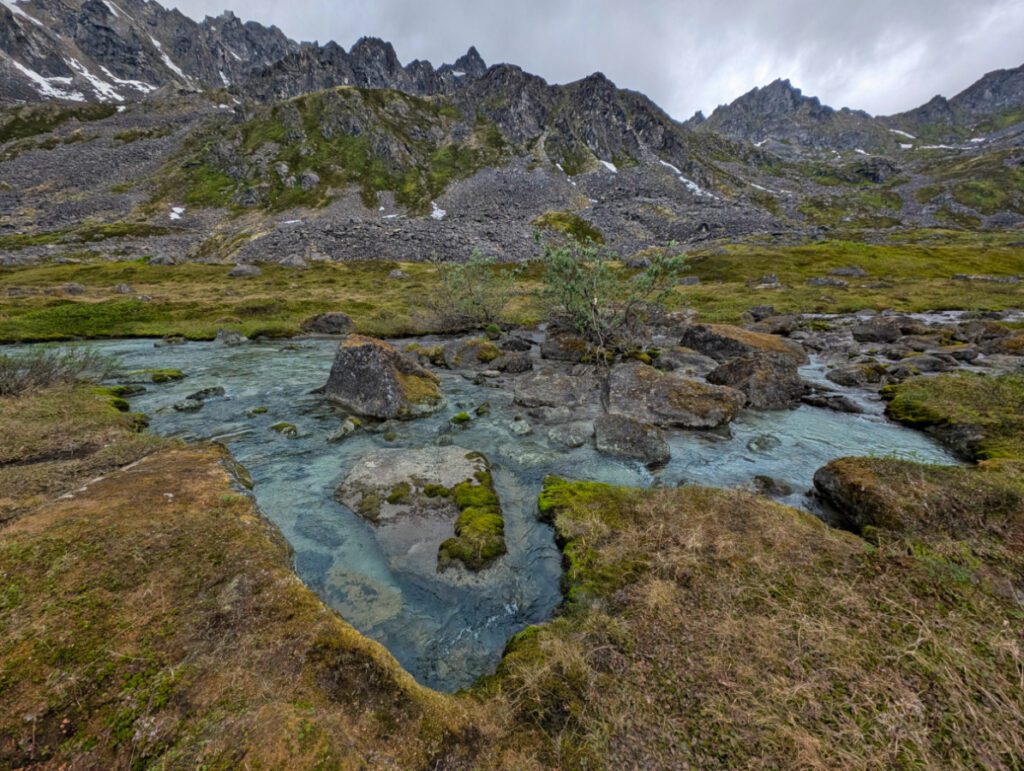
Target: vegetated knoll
967	522
981	417
298	152
716	629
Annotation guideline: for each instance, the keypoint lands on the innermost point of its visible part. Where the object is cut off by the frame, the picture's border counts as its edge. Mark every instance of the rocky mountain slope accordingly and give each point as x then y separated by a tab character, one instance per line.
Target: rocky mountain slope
133	131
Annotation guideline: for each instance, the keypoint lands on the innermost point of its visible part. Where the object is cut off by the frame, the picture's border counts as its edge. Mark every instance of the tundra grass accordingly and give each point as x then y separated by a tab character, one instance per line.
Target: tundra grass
151	619
197	300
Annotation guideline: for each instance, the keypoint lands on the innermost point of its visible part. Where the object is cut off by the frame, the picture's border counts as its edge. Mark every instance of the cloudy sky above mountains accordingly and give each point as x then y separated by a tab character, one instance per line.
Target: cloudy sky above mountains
877	55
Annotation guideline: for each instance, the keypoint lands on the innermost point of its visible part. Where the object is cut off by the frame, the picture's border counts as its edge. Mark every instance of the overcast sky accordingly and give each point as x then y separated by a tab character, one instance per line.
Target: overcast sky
883	56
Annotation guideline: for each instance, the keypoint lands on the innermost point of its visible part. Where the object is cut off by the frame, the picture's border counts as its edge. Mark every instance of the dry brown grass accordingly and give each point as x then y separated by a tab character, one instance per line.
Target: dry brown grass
53	440
755	637
153	619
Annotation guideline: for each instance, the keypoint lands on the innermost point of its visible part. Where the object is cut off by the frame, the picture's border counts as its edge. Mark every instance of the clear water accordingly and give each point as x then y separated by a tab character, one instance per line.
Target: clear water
449	633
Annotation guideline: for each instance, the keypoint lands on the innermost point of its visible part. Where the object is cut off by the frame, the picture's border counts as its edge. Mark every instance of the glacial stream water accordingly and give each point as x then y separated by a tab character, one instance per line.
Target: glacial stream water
449	634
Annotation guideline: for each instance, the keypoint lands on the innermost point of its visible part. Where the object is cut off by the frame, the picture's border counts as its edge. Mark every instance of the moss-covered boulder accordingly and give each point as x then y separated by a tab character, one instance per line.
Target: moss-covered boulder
416	497
723	342
469	352
371	378
648	395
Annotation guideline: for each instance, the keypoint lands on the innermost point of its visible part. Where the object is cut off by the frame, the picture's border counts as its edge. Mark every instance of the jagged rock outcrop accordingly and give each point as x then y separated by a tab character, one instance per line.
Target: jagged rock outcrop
124	50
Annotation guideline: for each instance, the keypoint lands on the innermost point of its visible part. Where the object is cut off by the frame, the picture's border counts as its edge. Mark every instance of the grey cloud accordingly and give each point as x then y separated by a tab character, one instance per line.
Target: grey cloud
878	55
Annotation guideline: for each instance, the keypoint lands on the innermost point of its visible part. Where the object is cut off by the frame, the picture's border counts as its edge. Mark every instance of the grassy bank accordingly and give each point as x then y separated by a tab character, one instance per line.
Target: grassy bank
197	300
151	619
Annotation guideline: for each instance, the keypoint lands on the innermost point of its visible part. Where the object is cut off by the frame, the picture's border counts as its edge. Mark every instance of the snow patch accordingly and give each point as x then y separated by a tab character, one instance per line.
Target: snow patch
167	60
762	143
223	78
906	147
899	133
138	85
610	166
177	212
112	8
692	186
938	147
45	86
237	57
977	140
458	73
104	90
13	7
860	152
121	108
436	212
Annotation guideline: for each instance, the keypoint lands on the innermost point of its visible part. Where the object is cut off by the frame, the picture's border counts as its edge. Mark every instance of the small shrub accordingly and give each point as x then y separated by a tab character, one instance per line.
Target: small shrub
586	289
47	367
472	294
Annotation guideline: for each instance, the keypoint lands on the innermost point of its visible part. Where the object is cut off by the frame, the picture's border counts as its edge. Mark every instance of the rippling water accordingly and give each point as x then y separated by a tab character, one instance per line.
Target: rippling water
448	634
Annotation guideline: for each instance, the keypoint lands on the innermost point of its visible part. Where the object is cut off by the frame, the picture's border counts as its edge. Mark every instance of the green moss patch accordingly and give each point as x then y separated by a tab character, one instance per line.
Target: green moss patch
480	528
571	225
992	408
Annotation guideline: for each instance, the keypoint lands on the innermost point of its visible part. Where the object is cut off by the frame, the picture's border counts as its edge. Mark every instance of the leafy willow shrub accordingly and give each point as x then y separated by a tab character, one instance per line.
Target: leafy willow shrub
45	367
586	289
472	294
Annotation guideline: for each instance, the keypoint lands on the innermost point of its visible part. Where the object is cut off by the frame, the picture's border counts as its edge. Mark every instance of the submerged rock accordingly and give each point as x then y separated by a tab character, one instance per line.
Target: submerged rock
572	435
373	379
625	437
416	497
769	381
227	337
645	394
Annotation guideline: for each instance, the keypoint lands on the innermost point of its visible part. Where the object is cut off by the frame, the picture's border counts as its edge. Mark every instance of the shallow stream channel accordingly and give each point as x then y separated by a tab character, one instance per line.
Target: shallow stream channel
448	633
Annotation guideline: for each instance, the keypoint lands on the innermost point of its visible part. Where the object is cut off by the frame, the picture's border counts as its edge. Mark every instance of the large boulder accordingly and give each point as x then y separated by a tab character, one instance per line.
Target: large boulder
723	342
371	378
416	498
334	323
769	381
624	437
667	399
547	388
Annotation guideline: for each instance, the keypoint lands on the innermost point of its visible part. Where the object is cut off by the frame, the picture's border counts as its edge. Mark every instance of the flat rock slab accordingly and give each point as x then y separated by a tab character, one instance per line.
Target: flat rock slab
548	388
723	342
648	395
432	507
381	471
